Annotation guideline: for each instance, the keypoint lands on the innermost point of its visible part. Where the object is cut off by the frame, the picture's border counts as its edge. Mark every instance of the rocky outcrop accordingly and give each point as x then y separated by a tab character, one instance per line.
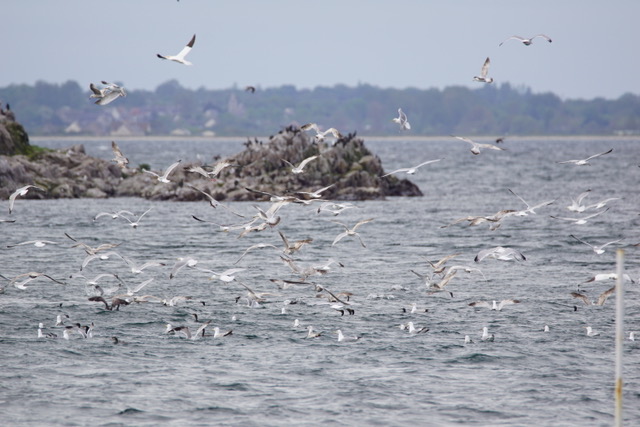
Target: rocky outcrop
13	137
347	165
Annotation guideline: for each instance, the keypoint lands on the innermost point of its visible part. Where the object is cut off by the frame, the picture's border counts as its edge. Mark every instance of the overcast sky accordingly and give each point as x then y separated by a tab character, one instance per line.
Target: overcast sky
269	43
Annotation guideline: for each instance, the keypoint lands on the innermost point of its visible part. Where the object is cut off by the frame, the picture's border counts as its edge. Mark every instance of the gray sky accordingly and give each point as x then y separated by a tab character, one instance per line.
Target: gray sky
267	43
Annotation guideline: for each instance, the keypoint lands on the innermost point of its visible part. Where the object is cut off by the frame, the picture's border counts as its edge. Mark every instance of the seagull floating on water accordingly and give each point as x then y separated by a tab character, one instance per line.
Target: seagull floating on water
179	58
591	332
486	336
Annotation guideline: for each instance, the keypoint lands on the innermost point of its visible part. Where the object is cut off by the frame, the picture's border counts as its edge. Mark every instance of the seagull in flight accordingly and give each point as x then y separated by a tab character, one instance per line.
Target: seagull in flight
582	220
411	170
494	305
165	175
526	42
402	120
476	146
135	223
110	93
601	299
500	253
350	231
119	158
583	162
530	209
598	249
22	191
576	204
179	58
483	73
36	243
299	169
320	136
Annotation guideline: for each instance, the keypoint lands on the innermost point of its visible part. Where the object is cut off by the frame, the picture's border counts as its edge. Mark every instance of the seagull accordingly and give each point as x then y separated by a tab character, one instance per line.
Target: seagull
119	158
315	194
608	276
290	248
350	231
48	335
184	330
342	338
96	92
601	204
135	223
483	73
250	89
116	302
299	169
494	305
165	175
530	209
180	56
402	120
598	249
36	243
226	276
546	328
320	136
334	208
632	336
214	203
500	253
583	162
576	204
579	221
217	333
436	287
526	42
468	340
486	336
31	276
591	332
113	215
439	266
182	262
411	170
311	333
414	330
22	191
111	93
476	146
601	299
256	246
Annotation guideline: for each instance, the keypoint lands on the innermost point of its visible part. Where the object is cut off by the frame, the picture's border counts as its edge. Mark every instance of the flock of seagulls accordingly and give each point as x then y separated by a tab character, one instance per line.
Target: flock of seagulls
439	277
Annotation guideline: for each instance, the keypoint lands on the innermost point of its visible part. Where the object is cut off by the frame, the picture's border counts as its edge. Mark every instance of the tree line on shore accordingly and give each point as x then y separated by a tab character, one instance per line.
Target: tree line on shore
65	109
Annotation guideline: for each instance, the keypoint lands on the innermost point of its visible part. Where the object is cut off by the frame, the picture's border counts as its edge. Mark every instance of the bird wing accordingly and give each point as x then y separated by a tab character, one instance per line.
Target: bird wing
305	161
481	304
95	90
598	155
583	297
507	302
339	237
547	38
512	37
427	162
485	67
186	49
108	98
603	296
364	221
581	241
170	169
395	171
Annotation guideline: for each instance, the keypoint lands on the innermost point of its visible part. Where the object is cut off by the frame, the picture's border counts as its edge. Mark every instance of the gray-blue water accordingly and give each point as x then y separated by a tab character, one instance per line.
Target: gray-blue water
267	372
